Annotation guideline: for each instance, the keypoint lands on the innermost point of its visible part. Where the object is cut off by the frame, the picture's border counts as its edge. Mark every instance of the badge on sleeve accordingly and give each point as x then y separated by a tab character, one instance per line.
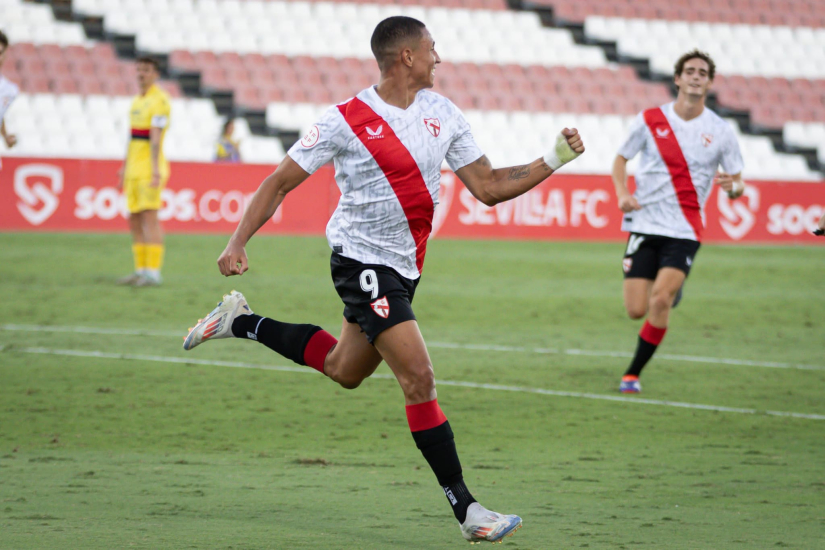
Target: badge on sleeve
311	138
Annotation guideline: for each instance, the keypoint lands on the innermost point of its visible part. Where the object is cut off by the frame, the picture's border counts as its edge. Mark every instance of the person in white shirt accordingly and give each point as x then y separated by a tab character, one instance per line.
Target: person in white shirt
8	91
388	144
682	145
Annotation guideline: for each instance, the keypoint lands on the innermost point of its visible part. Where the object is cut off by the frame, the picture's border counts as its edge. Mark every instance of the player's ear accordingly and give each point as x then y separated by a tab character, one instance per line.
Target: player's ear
407	57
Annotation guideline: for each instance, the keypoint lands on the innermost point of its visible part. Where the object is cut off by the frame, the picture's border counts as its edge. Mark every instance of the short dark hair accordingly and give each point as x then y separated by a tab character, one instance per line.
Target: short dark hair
391	33
4	40
149	60
695	54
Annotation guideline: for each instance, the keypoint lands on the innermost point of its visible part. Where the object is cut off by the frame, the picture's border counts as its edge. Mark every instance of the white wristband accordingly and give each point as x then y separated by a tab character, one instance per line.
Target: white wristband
561	154
737	189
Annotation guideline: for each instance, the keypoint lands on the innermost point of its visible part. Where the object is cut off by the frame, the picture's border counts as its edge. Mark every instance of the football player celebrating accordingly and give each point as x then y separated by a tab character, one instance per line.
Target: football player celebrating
388	144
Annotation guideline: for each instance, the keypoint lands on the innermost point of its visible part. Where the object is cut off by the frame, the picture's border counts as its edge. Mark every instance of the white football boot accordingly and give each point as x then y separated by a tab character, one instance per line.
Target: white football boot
218	324
482	524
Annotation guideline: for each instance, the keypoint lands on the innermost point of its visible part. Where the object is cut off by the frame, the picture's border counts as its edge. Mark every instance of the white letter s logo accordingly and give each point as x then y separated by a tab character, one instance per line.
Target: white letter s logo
38	192
737	218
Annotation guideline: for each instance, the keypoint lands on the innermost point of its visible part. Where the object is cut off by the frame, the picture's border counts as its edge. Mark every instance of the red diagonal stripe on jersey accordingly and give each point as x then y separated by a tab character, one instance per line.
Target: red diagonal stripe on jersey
400	169
676	164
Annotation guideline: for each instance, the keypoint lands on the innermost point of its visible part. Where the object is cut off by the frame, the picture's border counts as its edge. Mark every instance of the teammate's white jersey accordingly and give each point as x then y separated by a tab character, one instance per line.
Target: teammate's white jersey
679	161
8	91
388	168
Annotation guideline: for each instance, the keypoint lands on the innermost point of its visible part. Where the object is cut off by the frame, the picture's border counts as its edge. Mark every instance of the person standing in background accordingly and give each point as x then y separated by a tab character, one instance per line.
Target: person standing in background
144	174
227	149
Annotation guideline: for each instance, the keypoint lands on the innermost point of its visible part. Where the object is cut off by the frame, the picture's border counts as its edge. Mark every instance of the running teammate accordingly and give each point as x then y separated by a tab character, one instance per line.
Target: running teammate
388	144
145	173
8	91
682	145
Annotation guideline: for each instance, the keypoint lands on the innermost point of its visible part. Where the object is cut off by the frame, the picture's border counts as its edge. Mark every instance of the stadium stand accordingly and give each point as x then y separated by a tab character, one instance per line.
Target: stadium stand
260	51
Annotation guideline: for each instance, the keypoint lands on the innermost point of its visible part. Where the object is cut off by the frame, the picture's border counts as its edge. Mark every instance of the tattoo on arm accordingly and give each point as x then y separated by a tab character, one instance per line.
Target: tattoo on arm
518	172
485	162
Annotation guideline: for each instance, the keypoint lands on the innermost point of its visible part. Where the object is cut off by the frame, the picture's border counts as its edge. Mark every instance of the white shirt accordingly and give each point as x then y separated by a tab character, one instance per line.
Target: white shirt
388	168
8	91
704	143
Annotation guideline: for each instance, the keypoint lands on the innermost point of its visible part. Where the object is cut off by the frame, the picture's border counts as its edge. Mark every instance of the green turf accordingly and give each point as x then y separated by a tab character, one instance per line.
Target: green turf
116	452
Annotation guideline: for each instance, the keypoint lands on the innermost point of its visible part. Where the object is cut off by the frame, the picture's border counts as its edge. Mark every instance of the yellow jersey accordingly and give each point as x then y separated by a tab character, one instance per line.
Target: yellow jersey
150	110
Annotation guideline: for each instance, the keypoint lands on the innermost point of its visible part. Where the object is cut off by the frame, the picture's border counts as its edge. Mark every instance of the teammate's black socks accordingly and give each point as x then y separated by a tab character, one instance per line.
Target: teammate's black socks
649	339
644	351
290	340
438	447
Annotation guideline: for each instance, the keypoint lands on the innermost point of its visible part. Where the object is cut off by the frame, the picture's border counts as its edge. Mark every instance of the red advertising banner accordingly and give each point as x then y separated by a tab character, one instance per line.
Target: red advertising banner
82	195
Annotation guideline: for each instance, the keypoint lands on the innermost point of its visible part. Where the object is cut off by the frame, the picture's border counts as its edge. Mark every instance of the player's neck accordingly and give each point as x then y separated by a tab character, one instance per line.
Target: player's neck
144	91
688	108
396	92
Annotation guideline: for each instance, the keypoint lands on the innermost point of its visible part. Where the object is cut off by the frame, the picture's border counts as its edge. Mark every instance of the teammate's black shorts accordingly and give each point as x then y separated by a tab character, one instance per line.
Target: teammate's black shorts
645	255
376	297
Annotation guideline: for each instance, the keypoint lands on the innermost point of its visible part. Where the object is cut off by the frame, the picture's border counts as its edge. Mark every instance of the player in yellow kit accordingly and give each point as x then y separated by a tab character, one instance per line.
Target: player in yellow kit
144	174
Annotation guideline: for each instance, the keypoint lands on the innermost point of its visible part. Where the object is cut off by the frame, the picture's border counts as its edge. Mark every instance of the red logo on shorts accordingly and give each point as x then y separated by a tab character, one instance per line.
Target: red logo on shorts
627	263
381	307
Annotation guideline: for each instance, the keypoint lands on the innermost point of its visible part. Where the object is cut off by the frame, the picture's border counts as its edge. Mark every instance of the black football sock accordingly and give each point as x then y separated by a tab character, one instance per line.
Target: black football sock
649	339
438	447
290	340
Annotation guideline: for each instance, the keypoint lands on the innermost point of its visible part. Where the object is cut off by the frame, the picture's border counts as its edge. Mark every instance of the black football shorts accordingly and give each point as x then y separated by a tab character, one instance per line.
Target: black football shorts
375	296
645	255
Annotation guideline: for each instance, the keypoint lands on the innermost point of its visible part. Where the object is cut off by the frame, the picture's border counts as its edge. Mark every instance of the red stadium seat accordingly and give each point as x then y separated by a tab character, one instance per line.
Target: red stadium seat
64	85
102	50
237	74
205	59
35	84
89	86
182	59
116	87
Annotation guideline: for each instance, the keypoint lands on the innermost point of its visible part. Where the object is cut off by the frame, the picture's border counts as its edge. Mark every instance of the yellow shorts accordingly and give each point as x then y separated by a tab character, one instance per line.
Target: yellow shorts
140	196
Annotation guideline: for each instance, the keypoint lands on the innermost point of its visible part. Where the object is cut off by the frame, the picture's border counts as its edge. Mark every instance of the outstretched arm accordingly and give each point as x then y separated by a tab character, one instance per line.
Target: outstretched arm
494	185
267	198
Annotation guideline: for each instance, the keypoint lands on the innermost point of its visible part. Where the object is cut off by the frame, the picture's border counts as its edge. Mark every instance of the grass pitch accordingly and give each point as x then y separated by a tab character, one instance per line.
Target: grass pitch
112	436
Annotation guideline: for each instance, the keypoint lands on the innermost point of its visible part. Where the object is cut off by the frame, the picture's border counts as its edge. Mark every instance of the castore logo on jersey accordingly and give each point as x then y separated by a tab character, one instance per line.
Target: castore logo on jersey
377	133
662	133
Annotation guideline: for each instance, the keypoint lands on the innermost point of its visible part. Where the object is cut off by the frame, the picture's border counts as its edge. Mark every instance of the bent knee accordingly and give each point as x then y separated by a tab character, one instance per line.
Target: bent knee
418	383
347	380
661	301
350	383
636	313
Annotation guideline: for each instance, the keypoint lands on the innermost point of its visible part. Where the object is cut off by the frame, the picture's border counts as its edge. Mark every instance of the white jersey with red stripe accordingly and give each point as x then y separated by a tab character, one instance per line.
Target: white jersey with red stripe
676	171
388	168
8	91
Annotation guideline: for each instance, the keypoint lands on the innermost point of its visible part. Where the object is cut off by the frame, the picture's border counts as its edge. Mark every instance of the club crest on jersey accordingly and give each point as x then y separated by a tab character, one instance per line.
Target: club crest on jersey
378	133
311	138
707	139
381	307
627	263
662	133
433	126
